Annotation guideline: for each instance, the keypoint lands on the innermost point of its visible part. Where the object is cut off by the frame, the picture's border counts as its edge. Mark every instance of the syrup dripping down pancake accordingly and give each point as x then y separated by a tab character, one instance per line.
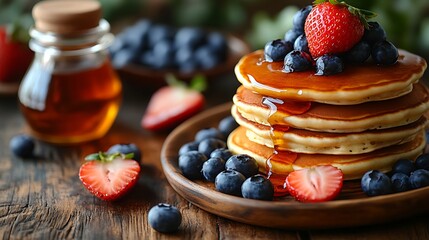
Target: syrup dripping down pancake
353	166
338	118
304	141
356	84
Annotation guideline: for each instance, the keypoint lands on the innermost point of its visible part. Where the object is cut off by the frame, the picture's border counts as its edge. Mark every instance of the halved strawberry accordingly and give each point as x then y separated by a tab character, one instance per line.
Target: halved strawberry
173	104
109	176
315	184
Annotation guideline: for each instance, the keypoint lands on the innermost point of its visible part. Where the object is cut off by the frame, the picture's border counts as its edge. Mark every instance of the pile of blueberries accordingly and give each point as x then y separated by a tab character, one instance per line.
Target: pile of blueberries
405	175
294	51
207	157
162	47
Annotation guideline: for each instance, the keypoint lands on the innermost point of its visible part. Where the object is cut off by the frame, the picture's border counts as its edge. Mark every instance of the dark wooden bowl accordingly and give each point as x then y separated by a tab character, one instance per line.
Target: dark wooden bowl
140	74
351	208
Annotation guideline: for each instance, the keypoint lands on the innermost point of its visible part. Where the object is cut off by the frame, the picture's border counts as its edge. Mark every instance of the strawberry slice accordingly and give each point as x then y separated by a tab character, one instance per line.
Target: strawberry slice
315	184
109	176
173	104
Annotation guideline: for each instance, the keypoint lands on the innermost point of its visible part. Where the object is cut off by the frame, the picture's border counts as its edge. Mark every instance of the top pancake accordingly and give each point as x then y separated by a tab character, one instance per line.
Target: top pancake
356	84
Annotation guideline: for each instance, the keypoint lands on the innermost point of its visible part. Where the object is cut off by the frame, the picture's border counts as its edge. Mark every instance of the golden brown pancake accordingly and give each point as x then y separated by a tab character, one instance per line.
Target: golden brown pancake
304	141
356	84
336	118
353	166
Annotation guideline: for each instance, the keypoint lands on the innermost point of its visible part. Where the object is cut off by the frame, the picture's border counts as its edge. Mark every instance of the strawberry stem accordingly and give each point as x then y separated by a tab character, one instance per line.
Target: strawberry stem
106	157
198	82
362	14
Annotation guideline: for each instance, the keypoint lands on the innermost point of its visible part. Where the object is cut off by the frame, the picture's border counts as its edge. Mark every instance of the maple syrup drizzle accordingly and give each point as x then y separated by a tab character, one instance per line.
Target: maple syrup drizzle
276	132
269	76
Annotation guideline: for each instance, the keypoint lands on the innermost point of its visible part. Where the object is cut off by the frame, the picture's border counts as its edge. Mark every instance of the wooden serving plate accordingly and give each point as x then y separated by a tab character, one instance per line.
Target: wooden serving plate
351	208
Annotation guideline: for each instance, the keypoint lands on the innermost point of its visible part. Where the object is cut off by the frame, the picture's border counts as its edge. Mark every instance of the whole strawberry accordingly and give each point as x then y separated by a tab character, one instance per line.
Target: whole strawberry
109	176
334	27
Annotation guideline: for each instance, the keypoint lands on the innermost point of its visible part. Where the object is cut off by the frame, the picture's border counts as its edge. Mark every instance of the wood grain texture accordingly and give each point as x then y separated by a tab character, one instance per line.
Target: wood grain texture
42	198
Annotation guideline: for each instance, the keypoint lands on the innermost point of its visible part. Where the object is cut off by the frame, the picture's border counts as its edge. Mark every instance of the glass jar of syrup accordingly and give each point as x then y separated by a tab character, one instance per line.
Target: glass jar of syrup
71	93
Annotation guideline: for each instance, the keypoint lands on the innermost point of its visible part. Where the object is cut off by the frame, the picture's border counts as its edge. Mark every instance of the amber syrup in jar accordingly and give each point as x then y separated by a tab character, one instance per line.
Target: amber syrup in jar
70	93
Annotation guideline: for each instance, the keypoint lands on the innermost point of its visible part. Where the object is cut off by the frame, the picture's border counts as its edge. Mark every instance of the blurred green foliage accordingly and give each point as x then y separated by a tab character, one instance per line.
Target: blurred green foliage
266	28
405	21
221	14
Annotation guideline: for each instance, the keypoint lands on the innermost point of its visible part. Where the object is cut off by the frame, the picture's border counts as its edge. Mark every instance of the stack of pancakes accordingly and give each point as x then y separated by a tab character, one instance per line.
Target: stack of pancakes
366	117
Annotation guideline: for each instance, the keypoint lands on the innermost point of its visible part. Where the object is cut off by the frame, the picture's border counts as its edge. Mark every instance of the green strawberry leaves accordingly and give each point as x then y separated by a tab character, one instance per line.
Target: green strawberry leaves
362	14
105	157
198	83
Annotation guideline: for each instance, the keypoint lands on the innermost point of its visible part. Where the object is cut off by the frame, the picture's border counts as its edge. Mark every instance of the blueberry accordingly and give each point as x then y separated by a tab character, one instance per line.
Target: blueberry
223	153
158	33
300	17
164	218
189	66
400	182
292	34
146	58
276	50
229	182
191	164
422	162
187	147
419	178
117	45
329	65
384	53
296	61
375	33
141	31
404	166
376	183
206	57
123	57
218	43
126	148
22	146
359	53
301	44
244	164
189	37
163	55
206	133
135	36
207	146
183	55
212	167
227	125
257	187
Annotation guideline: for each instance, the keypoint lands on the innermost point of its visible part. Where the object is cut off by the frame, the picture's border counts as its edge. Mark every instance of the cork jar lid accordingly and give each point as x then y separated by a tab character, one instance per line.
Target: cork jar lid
66	16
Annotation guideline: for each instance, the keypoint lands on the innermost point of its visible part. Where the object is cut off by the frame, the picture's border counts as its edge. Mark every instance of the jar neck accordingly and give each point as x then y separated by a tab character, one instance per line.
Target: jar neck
91	41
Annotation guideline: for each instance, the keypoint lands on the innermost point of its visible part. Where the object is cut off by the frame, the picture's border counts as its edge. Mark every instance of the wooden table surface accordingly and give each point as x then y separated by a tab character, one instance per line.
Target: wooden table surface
42	198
